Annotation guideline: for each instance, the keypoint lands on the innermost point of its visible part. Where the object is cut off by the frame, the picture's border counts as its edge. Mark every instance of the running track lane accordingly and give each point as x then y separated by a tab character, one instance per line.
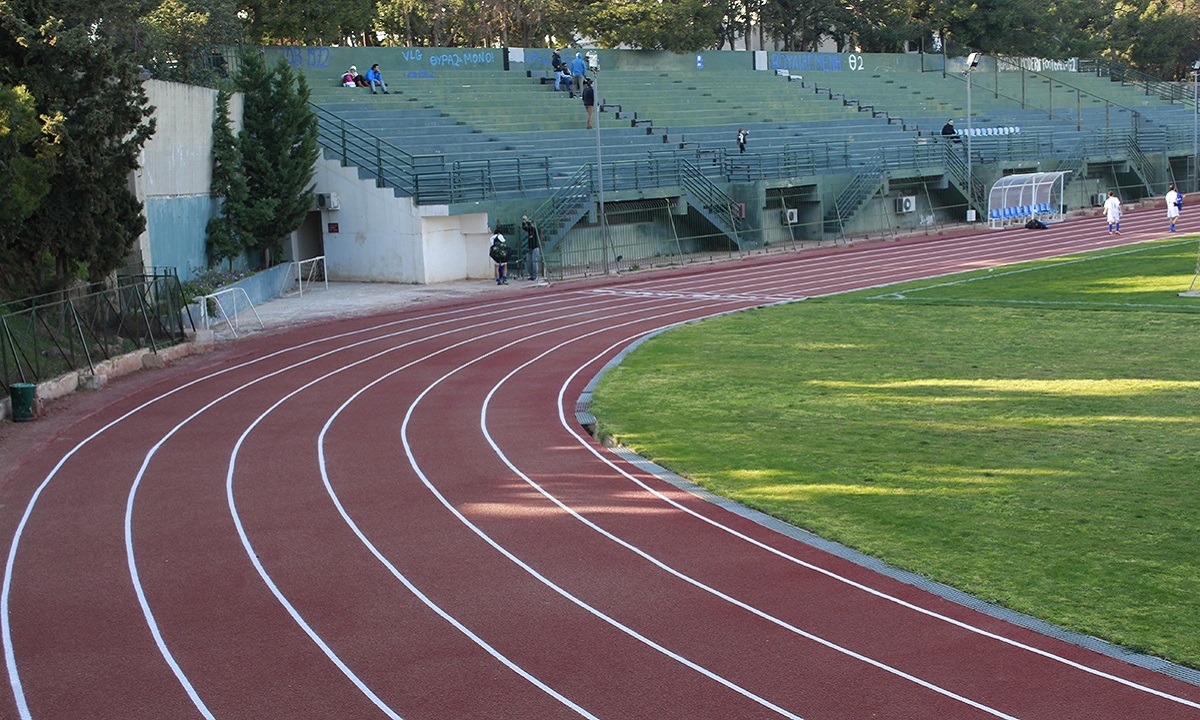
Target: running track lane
399	518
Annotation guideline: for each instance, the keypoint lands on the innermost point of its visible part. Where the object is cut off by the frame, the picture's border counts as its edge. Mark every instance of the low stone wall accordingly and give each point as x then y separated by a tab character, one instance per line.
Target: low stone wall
122	365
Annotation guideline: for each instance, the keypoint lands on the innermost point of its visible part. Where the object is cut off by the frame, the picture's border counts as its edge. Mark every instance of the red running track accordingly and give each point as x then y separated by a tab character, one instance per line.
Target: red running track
400	518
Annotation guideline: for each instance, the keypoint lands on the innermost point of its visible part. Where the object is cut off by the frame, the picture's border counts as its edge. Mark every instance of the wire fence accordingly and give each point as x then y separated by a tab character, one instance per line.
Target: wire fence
46	336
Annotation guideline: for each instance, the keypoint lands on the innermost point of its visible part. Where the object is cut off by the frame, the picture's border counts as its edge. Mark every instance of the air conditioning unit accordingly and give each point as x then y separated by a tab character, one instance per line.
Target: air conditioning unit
906	204
791	216
1098	199
328	201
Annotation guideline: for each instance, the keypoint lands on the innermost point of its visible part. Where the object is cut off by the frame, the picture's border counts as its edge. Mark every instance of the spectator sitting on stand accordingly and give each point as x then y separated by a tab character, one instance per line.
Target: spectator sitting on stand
949	133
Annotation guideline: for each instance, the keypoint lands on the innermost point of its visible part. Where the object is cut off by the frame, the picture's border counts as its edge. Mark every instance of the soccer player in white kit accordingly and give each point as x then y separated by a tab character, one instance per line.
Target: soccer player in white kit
1112	211
1174	205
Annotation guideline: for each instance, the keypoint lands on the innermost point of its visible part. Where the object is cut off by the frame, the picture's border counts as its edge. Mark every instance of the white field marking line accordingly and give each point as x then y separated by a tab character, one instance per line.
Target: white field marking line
834	576
534	573
5	619
866	267
934	246
1044	245
371	546
901	297
1038	268
949	257
679	574
148	613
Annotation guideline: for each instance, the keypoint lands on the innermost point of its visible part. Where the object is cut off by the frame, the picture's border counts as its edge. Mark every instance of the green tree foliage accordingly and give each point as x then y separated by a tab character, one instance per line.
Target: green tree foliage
180	38
88	219
1155	36
226	238
28	146
278	147
308	22
675	25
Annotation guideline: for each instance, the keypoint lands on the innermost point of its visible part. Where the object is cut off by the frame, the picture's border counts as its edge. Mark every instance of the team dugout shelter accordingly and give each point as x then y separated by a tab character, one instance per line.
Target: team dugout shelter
1017	199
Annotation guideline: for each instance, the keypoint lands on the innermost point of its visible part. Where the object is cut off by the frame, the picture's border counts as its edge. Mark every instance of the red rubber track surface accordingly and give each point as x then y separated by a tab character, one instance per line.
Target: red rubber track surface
399	517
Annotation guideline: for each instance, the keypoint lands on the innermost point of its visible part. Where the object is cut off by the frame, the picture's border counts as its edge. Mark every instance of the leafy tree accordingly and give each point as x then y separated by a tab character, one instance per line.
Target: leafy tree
226	238
279	148
675	25
308	22
88	219
27	151
1155	36
180	38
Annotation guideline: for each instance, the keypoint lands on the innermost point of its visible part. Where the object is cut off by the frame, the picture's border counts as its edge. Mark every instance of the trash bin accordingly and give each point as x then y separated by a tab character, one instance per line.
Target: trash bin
22	395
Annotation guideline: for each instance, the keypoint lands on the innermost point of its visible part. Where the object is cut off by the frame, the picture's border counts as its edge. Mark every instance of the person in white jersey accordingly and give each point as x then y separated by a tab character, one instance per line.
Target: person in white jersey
1112	212
1174	205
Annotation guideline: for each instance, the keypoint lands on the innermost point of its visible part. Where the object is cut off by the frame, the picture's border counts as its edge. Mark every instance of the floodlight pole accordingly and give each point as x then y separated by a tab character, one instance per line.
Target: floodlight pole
604	242
1195	112
970	177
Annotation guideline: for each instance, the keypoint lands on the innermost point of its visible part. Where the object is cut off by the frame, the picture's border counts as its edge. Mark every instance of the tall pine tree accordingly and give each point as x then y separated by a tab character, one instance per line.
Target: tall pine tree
227	240
279	148
88	219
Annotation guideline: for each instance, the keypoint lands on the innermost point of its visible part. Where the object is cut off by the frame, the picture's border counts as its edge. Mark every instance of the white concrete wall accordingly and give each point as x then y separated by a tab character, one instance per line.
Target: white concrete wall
174	174
456	246
382	238
177	160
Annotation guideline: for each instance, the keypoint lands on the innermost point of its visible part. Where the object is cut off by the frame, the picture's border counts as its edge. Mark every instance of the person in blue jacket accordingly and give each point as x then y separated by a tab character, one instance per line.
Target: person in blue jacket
374	78
578	71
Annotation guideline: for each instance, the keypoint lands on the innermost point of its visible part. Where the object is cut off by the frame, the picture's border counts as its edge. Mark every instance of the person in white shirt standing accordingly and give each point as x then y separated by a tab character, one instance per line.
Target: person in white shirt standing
1174	205
1112	212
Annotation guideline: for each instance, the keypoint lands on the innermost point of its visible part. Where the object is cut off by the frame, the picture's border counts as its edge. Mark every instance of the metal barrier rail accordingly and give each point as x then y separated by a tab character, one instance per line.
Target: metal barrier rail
41	339
232	321
312	263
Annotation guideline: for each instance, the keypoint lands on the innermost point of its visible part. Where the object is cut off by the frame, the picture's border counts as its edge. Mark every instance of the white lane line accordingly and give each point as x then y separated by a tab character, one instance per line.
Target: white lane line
10	563
148	613
408	450
569	426
273	586
483	416
373	549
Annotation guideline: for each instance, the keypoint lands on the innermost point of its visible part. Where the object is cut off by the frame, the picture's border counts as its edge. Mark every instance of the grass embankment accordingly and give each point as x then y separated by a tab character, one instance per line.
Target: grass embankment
1030	435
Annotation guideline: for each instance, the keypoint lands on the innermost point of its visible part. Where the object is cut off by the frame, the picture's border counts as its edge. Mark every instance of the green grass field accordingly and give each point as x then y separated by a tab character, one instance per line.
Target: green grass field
1029	435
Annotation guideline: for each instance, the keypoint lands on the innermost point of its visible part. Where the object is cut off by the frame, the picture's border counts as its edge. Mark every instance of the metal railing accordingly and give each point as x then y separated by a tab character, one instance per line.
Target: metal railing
555	217
957	168
714	202
862	186
48	335
1150	84
429	179
315	272
231	315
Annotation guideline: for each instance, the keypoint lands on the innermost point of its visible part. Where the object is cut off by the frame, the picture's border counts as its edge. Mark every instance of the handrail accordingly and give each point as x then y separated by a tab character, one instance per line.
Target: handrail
299	268
555	216
1165	89
1141	163
233	322
715	200
957	165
